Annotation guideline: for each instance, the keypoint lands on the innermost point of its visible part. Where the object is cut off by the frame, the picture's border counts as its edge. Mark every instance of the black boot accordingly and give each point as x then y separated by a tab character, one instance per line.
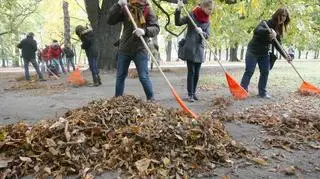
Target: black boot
99	79
95	81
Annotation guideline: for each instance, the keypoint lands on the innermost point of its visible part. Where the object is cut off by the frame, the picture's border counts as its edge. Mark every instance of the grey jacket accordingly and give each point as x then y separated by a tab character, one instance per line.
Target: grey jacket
193	48
130	43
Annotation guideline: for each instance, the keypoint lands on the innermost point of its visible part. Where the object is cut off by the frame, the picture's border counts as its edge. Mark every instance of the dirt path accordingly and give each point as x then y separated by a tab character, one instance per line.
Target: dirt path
37	104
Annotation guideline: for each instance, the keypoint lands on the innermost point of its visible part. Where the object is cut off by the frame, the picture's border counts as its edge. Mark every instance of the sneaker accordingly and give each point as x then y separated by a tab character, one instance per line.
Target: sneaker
267	96
195	97
42	79
151	100
190	99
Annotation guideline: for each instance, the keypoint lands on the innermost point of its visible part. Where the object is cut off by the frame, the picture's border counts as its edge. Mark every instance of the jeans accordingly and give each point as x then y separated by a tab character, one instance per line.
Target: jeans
61	64
26	68
193	77
70	61
264	66
93	66
140	59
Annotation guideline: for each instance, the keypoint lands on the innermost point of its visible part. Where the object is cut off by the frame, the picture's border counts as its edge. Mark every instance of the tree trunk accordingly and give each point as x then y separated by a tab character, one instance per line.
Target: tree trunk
220	54
105	34
169	50
299	54
66	19
233	53
242	53
307	55
210	54
315	54
227	54
17	57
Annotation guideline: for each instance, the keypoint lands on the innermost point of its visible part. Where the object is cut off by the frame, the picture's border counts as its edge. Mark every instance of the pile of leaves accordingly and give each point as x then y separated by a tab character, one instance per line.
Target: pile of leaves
295	121
142	139
28	85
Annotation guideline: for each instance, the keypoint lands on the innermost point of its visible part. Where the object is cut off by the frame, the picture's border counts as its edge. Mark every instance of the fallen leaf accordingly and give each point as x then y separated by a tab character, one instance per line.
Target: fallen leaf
142	165
25	159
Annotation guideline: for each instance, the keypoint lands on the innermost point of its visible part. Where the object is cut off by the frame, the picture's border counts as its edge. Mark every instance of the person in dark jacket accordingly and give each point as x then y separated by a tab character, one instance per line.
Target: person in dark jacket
88	44
68	52
28	47
259	47
192	47
131	47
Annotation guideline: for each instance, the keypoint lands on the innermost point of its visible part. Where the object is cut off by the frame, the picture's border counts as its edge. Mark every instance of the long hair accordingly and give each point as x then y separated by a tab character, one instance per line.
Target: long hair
276	17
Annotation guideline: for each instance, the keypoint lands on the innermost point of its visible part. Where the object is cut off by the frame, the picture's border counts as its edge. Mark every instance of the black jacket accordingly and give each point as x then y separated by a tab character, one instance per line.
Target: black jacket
89	44
28	47
259	44
68	52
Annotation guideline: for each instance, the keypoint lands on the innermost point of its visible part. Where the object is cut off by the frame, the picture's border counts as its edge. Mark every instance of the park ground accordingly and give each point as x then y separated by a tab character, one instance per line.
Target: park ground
53	98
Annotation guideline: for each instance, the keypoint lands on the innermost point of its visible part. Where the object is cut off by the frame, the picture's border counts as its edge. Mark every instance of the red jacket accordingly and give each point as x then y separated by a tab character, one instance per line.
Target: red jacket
55	52
45	54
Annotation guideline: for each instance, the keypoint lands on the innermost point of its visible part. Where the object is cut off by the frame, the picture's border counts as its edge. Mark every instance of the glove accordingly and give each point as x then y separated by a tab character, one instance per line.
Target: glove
180	4
139	32
289	59
199	30
122	2
273	34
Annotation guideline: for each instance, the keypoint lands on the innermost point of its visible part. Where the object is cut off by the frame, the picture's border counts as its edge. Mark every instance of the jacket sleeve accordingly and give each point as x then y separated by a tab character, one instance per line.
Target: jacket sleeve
152	26
20	44
261	30
178	20
115	14
86	40
34	46
206	31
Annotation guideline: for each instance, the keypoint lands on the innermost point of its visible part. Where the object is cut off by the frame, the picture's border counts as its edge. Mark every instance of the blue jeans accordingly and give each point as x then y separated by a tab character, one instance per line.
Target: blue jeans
61	64
264	66
93	67
140	59
26	68
70	61
193	77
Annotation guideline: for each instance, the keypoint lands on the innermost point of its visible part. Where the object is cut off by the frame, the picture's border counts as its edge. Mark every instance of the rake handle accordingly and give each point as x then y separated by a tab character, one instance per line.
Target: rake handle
205	40
283	51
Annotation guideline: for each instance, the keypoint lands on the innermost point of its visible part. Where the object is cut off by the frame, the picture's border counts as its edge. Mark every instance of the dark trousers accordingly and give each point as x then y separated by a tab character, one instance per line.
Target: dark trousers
26	68
93	66
193	77
62	66
140	59
264	66
70	62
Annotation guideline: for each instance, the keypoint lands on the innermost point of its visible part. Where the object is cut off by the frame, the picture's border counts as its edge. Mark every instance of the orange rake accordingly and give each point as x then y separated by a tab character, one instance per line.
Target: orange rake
305	86
237	91
76	79
175	94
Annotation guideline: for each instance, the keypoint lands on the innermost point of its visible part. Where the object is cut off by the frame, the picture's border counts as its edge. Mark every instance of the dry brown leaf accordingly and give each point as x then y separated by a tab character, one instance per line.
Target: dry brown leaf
25	159
143	164
259	161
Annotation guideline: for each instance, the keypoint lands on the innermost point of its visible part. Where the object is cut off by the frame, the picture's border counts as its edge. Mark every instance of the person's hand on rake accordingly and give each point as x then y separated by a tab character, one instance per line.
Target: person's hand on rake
289	58
272	35
122	2
199	30
139	32
180	4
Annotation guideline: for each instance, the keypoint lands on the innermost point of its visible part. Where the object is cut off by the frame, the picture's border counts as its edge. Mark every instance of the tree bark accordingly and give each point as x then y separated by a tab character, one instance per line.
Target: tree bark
307	55
233	53
299	54
105	34
227	54
17	57
66	18
219	54
169	50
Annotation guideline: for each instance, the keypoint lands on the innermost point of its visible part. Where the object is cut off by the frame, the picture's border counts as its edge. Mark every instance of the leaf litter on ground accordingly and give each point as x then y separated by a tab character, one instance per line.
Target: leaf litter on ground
141	139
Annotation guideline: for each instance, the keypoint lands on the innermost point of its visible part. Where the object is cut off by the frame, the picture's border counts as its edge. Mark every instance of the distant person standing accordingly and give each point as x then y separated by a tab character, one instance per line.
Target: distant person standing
69	54
28	47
